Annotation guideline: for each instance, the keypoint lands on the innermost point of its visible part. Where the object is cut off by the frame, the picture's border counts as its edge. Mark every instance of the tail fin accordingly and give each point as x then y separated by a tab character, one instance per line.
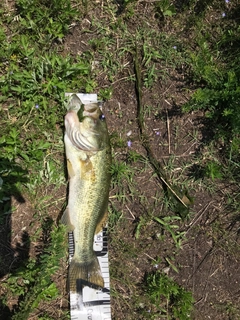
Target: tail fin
87	273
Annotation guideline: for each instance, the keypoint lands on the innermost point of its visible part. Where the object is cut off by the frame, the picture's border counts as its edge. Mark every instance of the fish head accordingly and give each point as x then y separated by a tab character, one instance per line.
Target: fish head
87	128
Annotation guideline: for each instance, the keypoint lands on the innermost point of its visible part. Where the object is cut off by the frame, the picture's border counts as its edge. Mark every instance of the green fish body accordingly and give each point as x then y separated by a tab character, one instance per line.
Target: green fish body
88	156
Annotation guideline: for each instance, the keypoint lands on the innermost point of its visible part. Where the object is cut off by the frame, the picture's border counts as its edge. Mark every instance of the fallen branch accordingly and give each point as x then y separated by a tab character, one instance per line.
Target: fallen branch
183	200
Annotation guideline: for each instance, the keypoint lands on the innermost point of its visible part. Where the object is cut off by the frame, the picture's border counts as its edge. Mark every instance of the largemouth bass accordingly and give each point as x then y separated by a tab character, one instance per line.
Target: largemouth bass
88	156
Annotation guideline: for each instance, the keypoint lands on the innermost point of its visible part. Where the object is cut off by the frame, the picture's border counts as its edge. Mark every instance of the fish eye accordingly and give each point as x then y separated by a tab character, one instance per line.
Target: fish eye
102	117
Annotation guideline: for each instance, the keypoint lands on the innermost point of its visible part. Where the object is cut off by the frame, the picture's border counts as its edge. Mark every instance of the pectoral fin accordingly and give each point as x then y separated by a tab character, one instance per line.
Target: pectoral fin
70	169
66	221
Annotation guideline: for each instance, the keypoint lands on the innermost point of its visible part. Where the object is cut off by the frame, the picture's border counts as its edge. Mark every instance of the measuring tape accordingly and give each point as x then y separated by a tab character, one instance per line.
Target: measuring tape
91	303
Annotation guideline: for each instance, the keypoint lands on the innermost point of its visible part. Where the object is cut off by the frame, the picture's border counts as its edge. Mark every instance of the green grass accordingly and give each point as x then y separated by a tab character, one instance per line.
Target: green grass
36	71
169	300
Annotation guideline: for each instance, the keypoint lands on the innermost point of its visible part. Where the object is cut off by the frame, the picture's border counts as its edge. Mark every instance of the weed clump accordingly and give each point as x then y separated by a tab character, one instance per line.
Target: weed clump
216	73
45	21
168	298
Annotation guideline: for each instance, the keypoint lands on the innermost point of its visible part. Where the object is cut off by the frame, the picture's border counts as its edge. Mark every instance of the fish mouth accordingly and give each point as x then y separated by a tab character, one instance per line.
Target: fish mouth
92	110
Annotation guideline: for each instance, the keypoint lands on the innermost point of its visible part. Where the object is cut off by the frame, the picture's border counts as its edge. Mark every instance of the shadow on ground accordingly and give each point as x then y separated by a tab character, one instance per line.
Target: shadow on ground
11	257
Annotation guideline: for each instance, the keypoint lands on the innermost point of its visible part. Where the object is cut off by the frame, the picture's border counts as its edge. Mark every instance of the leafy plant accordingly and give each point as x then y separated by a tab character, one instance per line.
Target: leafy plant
168	223
219	93
169	300
164	8
213	170
47	21
120	171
